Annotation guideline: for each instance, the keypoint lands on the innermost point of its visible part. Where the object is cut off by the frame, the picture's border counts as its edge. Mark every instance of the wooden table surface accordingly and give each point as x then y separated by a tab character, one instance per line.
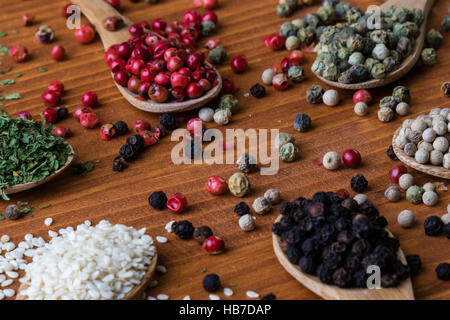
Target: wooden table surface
249	261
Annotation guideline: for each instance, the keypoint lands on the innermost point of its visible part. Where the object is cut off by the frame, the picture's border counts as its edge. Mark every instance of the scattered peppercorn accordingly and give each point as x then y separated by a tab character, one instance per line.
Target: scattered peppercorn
211	282
119	164
414	263
13	212
447	230
414	194
314	94
241	209
158	200
443	271
121	128
359	183
202	233
239	184
391	154
136	141
446	89
302	122
258	91
177	202
269	296
247	163
168	121
433	226
183	229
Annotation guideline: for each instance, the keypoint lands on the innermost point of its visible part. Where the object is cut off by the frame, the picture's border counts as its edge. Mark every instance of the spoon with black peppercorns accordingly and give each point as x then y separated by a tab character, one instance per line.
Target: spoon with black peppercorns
138	92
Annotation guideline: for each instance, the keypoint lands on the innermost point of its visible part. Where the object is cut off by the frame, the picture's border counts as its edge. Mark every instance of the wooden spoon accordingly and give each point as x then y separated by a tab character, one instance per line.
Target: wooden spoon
408	63
96	11
133	294
404	291
26	186
436	171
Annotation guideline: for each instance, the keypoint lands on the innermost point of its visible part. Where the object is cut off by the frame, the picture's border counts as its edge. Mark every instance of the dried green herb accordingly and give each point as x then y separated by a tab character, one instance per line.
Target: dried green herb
15	31
12	96
7	82
29	151
83	168
2	217
26	210
17	75
45	207
22	203
42	69
2	34
204	270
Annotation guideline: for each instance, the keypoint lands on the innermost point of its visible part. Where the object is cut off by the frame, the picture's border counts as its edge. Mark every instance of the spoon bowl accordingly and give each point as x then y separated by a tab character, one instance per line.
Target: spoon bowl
404	291
96	11
408	63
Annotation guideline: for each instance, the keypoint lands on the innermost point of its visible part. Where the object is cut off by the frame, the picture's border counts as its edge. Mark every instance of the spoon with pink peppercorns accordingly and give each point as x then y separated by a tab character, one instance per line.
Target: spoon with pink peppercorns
151	72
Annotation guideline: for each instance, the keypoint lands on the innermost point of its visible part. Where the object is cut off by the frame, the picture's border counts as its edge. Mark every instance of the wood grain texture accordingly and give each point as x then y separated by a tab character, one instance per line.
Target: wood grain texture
249	261
437	171
402	292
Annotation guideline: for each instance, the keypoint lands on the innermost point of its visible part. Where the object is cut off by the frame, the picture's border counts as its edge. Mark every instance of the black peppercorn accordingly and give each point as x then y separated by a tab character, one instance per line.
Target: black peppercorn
211	282
302	122
62	113
118	164
12	212
359	183
341	277
307	264
121	128
128	152
137	141
433	226
414	263
258	91
269	296
241	208
447	230
158	200
293	254
201	233
391	154
168	121
183	229
443	271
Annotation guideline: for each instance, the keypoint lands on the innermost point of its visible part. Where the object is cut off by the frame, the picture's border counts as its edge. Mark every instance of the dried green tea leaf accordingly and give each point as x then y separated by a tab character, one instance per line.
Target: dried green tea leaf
45	207
12	96
15	31
83	168
7	82
22	203
17	75
2	34
42	69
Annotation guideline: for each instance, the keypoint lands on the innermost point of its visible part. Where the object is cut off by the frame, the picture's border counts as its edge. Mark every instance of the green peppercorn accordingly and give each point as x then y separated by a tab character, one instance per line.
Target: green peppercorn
239	184
228	101
312	20
293	4
217	55
445	24
414	194
314	94
299	23
283	10
417	16
389	102
401	93
401	15
390	64
355	43
288	152
326	14
288	28
353	15
208	28
404	47
305	35
434	39
330	72
342	8
296	73
378	71
429	57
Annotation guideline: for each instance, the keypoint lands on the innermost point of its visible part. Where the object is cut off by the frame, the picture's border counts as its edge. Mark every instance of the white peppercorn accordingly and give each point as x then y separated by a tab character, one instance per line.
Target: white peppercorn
405	218
435	119
267	76
429	186
444	112
402	109
282	138
446	161
292	43
385	114
410	149
206	114
418	125
360	198
415	136
361	109
246	222
407	123
331	98
401	141
261	205
272	195
393	194
380	52
422	156
425	145
440	128
436	157
222	116
429	198
406	180
446	218
429	135
331	160
441	144
435	111
405	131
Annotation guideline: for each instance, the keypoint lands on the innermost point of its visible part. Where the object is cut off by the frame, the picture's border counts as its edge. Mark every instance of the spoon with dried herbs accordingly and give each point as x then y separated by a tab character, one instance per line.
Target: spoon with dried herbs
99	11
30	154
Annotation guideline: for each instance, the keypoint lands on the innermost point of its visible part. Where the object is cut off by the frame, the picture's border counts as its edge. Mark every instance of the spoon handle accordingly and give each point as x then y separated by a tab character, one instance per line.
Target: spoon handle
98	10
425	5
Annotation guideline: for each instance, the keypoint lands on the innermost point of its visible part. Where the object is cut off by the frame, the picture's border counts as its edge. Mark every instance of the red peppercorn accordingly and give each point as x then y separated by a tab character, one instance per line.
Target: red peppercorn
362	96
50	114
143	89
192	18
178	80
156	66
228	86
177	202
56	86
88	120
158	93
239	64
213	245
64	12
121	78
124	50
285	65
297	56
28	20
85	33
274	41
210	16
195	60
195	123
89	99
209	4
343	193
114	3
177	94
188	42
141	52
174	64
194	90
133	84
63	132
110	56
141	125
51	98
135	30
107	131
396	172
212	43
144	25
19	53
58	52
79	111
149	137
159	131
351	158
117	65
205	84
136	66
158	24
280	81
162	78
24	115
146	75
187	72
216	185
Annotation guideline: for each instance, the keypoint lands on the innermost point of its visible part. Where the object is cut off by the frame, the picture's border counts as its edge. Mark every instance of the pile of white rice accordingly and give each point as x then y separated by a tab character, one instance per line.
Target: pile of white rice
101	262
